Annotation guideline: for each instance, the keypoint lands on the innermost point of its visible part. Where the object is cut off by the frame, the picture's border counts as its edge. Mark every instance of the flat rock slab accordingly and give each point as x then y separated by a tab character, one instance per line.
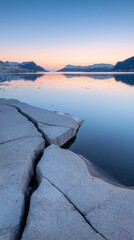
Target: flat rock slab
21	144
108	209
52	217
4	107
16	170
14	125
69	202
56	134
57	128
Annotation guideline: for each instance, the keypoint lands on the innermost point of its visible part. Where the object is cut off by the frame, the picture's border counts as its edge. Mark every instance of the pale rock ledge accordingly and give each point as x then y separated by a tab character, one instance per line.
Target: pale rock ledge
69	202
22	143
72	204
57	128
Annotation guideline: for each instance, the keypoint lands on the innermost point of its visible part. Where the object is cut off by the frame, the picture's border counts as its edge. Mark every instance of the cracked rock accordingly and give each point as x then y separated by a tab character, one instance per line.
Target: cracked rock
52	217
57	128
16	170
108	208
56	134
21	144
14	125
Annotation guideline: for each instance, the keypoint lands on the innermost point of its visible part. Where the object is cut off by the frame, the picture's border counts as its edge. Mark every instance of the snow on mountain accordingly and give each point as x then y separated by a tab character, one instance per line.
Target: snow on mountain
96	67
24	67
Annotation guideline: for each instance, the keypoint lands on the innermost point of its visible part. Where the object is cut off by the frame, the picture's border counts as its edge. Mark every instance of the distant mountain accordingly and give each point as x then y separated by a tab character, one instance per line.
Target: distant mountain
125	66
32	66
15	67
91	68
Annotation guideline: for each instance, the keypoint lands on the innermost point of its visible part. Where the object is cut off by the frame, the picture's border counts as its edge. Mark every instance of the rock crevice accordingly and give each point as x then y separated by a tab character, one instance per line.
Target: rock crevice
53	193
56	128
78	210
22	143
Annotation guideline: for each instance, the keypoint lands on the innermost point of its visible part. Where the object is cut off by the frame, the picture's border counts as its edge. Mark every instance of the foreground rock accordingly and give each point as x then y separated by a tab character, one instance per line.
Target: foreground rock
16	170
69	203
72	204
14	125
52	217
21	145
57	128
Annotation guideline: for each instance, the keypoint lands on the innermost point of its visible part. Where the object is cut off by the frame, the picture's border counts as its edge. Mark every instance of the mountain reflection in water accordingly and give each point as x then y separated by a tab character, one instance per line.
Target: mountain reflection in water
125	78
12	77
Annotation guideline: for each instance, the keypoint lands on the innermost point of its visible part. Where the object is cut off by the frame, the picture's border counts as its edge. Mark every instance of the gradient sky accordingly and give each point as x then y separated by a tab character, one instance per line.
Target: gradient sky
54	33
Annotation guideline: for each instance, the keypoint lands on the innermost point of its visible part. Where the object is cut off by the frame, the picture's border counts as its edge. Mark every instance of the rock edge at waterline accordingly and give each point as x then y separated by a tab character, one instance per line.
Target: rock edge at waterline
65	200
22	142
72	204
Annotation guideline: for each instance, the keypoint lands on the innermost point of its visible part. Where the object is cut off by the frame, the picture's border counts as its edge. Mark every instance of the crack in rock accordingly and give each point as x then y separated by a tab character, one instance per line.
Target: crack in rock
30	188
60	137
13	140
34	184
31	120
87	221
54	125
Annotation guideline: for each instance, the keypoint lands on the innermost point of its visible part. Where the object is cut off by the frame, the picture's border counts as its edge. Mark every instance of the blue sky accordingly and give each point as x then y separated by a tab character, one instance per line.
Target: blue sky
55	33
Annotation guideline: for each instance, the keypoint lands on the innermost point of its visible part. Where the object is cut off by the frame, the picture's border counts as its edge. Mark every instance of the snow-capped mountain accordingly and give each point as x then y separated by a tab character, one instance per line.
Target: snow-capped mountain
24	67
102	67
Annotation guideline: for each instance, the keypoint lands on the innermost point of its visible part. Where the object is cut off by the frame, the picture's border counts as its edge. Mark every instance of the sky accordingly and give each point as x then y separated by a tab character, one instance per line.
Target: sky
54	33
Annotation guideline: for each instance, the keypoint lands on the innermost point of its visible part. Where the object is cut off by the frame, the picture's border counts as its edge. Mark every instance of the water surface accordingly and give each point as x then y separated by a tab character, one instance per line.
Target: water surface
104	102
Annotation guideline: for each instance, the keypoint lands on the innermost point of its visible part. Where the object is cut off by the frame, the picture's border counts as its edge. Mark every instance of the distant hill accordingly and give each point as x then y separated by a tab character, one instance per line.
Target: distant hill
32	66
125	66
24	67
102	67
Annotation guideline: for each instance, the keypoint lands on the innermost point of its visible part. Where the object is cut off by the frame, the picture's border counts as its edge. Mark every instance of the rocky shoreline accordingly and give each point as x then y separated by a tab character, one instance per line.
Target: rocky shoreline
48	192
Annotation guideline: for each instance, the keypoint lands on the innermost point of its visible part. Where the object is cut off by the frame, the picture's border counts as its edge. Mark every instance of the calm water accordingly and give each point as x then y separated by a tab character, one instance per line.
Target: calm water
104	102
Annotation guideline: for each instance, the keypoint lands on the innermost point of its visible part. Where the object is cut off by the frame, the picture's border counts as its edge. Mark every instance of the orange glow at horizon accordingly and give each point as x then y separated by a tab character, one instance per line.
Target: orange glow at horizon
54	58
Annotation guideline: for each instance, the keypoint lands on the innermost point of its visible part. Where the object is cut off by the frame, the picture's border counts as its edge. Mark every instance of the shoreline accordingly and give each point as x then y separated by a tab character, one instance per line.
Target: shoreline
66	189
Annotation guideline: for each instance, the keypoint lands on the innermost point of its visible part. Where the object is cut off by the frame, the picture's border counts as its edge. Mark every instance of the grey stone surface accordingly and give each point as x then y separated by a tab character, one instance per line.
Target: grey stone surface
52	217
21	144
51	118
70	203
58	128
4	107
56	134
16	170
11	211
14	125
108	208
